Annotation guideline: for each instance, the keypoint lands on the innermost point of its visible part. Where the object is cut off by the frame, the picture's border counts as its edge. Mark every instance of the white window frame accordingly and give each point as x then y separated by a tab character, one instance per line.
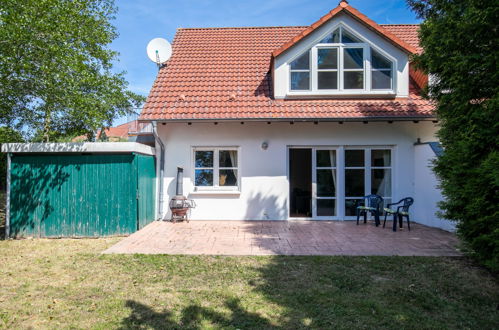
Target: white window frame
315	196
216	169
309	71
337	70
368	168
367	70
385	198
392	70
367	177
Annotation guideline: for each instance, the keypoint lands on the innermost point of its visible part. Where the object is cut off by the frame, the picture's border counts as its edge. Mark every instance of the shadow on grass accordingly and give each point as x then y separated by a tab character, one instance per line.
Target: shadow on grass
320	292
192	317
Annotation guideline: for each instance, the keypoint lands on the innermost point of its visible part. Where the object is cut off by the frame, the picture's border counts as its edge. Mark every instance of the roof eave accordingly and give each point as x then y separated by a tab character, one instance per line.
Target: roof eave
298	119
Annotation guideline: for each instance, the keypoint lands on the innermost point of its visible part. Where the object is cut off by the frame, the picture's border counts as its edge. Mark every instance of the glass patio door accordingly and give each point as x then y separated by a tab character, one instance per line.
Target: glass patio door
325	183
367	171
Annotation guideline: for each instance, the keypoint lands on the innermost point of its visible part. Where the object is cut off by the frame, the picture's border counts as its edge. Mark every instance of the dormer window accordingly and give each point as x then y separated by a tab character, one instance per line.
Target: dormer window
353	68
300	73
381	71
341	63
327	68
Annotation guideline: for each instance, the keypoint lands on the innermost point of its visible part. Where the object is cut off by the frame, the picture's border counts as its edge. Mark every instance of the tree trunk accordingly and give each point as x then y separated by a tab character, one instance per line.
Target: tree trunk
46	127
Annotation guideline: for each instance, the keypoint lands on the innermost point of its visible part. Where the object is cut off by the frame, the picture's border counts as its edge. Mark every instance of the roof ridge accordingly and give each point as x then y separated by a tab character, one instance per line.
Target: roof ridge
243	27
403	24
275	27
345	8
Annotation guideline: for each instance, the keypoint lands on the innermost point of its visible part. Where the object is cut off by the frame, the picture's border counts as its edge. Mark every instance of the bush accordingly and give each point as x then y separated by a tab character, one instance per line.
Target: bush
460	39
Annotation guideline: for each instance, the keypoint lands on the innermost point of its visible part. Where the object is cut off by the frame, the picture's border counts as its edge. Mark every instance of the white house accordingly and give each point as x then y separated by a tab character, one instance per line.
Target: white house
283	123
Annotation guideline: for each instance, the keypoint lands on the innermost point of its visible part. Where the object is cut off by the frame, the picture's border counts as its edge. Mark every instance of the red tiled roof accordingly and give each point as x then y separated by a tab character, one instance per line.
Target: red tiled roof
223	74
344	7
120	131
407	33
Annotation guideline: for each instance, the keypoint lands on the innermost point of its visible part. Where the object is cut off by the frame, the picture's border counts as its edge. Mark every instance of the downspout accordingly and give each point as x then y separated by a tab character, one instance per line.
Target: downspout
160	199
7	202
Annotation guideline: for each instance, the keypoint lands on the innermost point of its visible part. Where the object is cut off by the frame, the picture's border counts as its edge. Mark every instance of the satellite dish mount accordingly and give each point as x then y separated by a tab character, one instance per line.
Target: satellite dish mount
158	61
159	51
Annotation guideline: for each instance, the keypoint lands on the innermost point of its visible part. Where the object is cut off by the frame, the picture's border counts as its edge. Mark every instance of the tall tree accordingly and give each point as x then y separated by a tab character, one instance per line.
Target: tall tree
6	135
460	39
56	67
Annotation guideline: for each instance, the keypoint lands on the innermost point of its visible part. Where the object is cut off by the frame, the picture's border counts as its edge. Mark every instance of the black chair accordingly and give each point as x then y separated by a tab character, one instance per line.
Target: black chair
372	203
400	212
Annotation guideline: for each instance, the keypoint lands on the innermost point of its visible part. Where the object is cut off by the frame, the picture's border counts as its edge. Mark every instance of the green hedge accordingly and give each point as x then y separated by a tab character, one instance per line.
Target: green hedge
460	40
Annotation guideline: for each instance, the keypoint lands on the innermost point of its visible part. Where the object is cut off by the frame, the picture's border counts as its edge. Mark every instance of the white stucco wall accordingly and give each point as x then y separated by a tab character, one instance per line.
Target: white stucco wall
426	191
281	64
264	173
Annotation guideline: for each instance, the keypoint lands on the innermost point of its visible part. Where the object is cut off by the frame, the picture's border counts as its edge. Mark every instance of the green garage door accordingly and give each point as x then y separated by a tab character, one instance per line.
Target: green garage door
79	195
146	180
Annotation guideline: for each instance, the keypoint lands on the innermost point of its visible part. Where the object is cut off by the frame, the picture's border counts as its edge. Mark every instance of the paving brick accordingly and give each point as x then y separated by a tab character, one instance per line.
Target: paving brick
300	238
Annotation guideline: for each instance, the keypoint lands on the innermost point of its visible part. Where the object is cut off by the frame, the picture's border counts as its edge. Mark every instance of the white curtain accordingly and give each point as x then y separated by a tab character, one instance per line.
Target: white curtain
332	158
233	161
387	158
384	188
233	157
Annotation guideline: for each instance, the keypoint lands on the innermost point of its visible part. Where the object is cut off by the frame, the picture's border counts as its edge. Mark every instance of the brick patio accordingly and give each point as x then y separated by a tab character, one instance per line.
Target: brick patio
286	238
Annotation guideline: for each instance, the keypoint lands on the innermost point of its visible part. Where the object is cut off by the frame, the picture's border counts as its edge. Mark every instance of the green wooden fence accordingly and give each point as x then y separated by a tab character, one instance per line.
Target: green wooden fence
59	195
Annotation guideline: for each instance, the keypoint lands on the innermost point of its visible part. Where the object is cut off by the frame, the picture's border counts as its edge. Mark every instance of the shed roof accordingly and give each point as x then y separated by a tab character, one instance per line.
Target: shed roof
79	147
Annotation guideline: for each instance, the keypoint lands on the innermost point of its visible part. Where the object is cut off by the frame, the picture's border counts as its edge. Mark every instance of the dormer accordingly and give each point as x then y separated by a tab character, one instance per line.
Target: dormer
343	55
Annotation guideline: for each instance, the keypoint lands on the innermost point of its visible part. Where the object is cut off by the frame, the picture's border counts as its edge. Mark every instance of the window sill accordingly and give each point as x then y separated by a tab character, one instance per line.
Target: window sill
329	95
216	192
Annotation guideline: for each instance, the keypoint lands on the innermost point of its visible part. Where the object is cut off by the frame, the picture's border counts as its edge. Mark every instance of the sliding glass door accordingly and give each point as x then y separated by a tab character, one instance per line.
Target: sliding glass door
355	179
367	171
338	178
325	183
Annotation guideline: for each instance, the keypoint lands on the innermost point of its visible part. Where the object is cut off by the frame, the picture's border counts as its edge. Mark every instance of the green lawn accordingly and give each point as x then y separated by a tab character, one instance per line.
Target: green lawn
67	283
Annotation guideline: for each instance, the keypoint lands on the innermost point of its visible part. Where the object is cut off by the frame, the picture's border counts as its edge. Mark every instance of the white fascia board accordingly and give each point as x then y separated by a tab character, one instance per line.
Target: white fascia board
78	147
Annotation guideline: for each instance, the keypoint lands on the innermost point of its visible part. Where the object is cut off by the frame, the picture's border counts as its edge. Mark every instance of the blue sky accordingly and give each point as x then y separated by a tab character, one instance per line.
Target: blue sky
139	21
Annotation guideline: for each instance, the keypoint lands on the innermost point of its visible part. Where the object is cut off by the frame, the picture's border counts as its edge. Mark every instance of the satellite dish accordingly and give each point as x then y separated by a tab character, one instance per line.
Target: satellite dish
159	50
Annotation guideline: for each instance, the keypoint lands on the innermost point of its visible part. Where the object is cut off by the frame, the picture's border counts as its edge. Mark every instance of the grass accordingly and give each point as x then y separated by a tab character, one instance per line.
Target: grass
68	284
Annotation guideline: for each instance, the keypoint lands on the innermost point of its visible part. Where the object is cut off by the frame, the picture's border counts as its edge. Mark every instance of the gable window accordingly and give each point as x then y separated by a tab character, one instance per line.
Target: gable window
353	68
327	68
216	168
381	71
300	73
341	63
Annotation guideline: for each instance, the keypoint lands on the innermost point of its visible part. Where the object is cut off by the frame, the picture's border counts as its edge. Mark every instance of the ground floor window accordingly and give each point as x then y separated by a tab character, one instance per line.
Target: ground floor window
340	177
216	168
